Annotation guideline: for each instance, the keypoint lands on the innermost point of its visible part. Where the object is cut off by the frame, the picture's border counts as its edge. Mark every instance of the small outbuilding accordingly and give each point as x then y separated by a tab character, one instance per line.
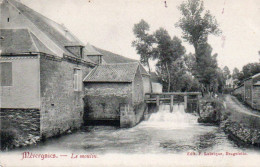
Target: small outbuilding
114	92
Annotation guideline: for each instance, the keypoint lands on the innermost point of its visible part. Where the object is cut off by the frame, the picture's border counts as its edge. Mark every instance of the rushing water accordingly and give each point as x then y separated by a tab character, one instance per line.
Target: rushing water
163	132
165	139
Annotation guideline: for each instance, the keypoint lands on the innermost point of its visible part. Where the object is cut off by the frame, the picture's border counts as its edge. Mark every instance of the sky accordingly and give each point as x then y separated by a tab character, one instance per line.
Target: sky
108	24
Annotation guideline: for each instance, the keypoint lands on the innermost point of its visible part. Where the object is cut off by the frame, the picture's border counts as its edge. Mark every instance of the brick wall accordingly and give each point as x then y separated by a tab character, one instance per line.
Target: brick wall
103	100
61	106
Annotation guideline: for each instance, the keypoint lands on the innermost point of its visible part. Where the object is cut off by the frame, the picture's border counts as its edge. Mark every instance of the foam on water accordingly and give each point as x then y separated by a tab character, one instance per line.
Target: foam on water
177	119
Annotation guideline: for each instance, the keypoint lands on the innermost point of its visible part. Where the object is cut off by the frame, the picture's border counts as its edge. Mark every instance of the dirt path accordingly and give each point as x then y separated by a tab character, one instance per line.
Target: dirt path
232	102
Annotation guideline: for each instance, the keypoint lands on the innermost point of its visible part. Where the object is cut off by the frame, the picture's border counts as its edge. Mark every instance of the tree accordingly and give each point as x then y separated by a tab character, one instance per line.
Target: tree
226	72
235	73
251	69
167	52
144	43
196	24
206	69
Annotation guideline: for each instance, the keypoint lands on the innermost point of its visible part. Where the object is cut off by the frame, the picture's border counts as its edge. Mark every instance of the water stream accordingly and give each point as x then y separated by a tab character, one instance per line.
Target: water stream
163	132
165	139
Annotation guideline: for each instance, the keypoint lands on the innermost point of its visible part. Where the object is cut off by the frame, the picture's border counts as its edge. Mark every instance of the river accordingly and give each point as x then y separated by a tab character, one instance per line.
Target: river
163	136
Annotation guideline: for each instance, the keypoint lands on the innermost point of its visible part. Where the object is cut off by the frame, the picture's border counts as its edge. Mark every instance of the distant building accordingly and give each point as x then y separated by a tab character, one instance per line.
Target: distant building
230	83
156	84
249	91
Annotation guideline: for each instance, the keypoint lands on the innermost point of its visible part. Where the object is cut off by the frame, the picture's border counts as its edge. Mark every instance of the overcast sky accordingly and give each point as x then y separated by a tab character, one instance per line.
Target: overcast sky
108	24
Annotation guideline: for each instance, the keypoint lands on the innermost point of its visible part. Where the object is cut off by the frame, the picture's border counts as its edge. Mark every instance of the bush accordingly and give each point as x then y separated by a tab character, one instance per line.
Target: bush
8	135
211	110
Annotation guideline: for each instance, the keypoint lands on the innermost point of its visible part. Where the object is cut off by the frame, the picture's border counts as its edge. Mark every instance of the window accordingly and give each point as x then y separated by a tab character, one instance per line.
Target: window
8	19
6	74
77	80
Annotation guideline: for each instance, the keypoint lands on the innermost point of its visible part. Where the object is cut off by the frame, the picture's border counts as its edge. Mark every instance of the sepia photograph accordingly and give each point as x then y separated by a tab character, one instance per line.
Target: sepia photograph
129	83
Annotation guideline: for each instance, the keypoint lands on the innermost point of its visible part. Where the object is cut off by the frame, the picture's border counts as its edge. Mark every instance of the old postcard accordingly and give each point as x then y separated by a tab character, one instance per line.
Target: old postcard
129	83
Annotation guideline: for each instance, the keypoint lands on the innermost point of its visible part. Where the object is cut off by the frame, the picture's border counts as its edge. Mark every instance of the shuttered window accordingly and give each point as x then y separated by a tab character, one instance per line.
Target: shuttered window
77	78
6	74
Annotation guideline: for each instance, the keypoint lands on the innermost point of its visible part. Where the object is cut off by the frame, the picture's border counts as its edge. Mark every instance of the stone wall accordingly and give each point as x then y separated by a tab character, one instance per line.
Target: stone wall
138	88
61	106
248	91
146	83
103	100
131	116
256	97
23	123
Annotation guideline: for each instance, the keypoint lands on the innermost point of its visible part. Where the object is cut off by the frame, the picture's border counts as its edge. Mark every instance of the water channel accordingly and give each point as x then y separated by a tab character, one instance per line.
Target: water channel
163	134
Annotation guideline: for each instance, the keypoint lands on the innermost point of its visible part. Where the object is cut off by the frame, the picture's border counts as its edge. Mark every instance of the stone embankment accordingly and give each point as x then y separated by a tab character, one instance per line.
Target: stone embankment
239	122
19	127
241	132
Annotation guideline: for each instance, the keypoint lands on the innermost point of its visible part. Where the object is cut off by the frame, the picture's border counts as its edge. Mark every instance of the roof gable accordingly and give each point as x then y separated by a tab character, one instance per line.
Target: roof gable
123	72
16	41
56	33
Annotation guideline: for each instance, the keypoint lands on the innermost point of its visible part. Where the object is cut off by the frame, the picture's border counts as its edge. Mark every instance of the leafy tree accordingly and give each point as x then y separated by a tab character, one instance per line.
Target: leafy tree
190	62
247	71
167	52
144	43
226	72
251	69
197	24
206	69
235	73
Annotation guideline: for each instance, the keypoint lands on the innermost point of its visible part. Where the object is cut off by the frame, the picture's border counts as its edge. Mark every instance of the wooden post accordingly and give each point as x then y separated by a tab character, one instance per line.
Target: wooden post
171	104
185	102
157	101
198	104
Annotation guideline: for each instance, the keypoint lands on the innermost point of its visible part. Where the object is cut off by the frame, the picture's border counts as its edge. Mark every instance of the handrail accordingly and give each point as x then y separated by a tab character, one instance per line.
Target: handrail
175	93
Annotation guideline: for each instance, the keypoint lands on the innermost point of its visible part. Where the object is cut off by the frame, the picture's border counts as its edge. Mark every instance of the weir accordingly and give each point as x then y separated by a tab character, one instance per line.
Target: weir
190	99
166	119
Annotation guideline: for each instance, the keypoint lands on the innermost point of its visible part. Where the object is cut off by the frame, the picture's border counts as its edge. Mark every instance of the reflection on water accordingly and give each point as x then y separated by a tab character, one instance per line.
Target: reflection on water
163	132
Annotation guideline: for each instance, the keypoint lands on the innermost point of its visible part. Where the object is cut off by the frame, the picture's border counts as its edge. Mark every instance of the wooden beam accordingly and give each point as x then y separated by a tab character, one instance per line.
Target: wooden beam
175	93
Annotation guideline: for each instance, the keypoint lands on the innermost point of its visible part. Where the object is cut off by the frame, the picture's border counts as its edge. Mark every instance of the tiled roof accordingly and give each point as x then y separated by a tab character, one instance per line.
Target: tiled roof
123	72
257	83
110	57
143	70
16	41
41	47
256	75
56	32
90	50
